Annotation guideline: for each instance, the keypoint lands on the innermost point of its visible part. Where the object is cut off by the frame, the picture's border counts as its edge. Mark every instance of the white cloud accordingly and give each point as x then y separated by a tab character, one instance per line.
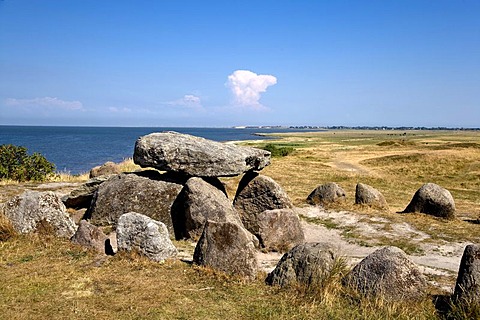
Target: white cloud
47	102
115	109
189	101
247	87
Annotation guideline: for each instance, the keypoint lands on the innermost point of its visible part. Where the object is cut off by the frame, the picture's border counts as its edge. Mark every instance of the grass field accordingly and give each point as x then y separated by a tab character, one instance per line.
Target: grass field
44	277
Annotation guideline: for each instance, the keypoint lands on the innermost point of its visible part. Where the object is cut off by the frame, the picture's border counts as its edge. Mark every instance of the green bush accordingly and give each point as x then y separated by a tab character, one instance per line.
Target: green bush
278	151
16	164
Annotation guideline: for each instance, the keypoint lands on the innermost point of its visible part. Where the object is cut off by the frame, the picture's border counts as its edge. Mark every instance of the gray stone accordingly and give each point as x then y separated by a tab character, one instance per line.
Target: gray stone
367	195
326	193
106	169
433	200
195	156
279	230
227	247
82	196
387	273
137	232
151	195
255	194
90	236
39	211
198	202
467	288
307	264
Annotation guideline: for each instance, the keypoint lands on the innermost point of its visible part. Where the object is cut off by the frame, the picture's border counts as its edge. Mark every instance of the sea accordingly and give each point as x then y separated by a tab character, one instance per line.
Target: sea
75	150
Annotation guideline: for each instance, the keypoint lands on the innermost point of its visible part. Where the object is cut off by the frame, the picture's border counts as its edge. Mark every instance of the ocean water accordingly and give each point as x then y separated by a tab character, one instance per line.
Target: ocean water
78	149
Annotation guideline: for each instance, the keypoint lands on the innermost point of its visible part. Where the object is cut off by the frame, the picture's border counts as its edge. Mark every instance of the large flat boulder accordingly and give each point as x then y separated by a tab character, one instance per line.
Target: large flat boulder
39	211
81	197
195	156
198	202
149	194
227	247
434	200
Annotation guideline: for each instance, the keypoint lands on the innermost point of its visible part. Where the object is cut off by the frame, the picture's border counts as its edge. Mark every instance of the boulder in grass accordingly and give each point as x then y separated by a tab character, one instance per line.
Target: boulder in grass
41	212
367	195
279	230
387	273
148	193
307	264
83	195
137	232
467	288
198	202
90	236
227	247
326	193
433	200
106	169
255	194
195	156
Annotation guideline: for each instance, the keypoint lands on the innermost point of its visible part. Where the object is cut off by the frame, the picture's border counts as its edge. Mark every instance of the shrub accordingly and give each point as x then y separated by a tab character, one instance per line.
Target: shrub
16	164
278	151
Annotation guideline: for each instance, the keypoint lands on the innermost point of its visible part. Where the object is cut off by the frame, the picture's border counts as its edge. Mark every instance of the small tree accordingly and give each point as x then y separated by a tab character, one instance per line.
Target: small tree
16	164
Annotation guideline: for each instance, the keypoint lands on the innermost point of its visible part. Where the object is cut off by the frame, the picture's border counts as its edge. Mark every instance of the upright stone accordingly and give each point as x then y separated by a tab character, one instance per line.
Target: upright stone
365	194
151	195
195	156
387	273
198	202
227	247
467	288
39	211
147	236
257	193
433	200
90	236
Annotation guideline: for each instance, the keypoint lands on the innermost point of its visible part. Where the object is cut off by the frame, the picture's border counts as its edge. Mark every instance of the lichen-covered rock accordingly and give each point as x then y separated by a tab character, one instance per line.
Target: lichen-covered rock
83	195
33	210
433	200
90	236
255	194
467	288
106	169
387	273
326	193
306	264
198	202
146	236
152	196
195	156
227	247
365	194
279	230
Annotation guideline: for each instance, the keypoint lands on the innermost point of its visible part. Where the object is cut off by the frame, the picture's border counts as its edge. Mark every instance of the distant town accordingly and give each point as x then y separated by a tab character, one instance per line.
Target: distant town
357	128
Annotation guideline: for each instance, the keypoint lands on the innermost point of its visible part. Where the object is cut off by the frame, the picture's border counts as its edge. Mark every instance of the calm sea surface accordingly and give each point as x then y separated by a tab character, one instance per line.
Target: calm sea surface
78	149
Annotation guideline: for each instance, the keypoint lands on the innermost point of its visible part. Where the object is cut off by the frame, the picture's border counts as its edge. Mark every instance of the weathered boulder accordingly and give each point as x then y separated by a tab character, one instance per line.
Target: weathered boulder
39	211
146	236
306	264
82	196
279	230
228	247
433	200
257	193
90	236
195	156
198	202
467	288
106	169
387	273
152	196
326	193
365	194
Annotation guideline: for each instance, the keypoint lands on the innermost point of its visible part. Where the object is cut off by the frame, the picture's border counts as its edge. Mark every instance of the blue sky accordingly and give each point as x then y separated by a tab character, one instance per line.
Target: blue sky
227	63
